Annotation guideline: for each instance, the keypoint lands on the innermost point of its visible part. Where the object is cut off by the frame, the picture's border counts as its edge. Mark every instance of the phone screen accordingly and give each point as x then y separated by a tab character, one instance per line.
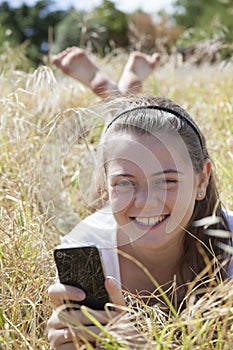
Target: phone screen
81	267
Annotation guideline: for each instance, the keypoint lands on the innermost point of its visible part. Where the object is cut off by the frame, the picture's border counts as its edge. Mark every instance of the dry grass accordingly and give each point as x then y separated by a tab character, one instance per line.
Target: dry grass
32	110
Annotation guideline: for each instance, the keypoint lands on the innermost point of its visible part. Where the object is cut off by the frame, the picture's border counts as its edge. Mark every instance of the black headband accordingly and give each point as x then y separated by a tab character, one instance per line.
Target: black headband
165	109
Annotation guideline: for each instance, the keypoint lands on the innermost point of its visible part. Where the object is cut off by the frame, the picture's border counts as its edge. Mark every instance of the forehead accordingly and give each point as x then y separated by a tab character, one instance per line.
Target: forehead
147	151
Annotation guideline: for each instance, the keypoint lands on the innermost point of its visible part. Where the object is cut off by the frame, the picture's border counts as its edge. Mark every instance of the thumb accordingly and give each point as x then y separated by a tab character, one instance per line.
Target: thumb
114	291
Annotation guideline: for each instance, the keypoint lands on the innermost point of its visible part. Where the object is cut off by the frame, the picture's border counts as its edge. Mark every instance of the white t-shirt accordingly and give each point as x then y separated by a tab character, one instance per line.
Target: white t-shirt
100	229
229	216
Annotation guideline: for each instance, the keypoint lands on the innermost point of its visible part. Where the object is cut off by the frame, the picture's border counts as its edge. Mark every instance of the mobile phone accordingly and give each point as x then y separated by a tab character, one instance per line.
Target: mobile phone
82	267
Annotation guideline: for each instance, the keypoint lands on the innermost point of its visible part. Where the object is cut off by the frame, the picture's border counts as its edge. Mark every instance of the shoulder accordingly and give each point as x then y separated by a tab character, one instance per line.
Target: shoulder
229	217
98	229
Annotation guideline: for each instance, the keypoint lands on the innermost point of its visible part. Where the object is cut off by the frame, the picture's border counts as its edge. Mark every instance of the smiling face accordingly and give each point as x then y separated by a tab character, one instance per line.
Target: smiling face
152	188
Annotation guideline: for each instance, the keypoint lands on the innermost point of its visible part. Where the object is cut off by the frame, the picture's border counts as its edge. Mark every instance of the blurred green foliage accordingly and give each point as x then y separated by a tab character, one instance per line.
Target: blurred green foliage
100	30
106	28
28	25
204	19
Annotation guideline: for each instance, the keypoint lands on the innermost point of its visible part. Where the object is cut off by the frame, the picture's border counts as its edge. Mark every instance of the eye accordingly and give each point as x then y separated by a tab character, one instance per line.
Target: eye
124	185
170	181
166	183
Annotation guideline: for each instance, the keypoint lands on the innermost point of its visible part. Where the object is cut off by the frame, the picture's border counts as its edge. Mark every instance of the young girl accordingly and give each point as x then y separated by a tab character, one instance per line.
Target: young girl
158	178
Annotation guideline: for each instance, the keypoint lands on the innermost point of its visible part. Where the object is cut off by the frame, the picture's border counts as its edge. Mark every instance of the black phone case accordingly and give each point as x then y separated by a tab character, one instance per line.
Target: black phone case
81	267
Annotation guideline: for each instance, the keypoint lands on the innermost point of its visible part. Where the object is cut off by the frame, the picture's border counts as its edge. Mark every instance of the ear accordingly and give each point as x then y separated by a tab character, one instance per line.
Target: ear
203	180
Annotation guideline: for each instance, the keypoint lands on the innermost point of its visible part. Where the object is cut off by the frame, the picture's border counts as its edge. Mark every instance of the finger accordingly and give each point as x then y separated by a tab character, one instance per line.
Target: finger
102	317
62	337
89	334
88	314
114	291
55	322
87	317
84	316
59	292
67	346
58	337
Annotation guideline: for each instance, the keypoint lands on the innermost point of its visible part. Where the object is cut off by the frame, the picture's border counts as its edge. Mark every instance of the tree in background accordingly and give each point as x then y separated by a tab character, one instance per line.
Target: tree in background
29	25
205	19
101	30
106	28
142	32
148	35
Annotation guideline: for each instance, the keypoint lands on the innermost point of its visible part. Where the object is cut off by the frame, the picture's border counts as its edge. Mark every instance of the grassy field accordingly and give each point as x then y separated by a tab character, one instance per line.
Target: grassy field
40	199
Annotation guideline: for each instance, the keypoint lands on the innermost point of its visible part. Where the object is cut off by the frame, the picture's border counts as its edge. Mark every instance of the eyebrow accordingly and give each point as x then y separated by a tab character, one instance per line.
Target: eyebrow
166	171
122	175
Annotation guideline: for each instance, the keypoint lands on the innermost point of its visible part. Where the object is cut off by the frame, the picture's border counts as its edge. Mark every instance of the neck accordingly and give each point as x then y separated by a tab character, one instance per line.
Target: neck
162	263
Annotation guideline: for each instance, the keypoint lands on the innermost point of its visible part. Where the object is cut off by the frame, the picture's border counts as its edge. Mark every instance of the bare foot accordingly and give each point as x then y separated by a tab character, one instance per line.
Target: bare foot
138	67
75	63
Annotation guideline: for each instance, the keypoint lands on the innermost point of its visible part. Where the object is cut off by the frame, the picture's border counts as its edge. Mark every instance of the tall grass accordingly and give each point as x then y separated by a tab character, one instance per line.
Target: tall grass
32	109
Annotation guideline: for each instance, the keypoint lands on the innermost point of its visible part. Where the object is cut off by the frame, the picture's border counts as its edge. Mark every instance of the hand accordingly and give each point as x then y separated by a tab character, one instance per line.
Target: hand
60	335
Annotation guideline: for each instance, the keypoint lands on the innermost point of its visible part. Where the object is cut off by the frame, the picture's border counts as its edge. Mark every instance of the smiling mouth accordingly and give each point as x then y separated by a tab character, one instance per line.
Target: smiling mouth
152	221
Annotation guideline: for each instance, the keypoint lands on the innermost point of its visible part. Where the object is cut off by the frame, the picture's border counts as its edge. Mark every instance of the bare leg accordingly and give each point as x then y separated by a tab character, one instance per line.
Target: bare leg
75	63
137	69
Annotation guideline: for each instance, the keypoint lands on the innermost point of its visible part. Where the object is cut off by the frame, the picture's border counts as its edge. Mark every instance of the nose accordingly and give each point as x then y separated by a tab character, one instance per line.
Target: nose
146	199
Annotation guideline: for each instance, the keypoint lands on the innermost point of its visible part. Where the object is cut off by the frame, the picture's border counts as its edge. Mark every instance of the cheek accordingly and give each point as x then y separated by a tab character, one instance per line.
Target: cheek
181	206
182	197
120	201
170	198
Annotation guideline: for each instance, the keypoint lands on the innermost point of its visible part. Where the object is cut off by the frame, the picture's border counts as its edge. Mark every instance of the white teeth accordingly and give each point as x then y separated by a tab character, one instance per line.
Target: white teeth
150	221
